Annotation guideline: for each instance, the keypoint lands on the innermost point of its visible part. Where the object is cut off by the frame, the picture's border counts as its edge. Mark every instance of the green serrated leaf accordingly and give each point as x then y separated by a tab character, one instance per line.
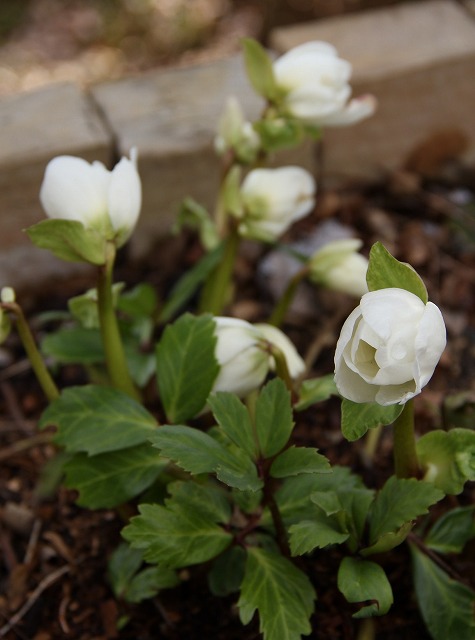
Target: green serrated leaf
141	301
176	535
400	501
259	69
448	458
357	418
316	390
384	271
362	581
110	479
186	366
316	532
69	240
227	572
76	345
188	284
123	565
297	460
209	499
446	605
197	452
452	531
280	592
148	582
97	419
233	417
273	418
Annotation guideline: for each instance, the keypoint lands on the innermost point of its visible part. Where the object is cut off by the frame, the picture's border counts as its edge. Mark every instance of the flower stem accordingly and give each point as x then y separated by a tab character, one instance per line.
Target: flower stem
405	456
281	308
116	363
41	372
216	291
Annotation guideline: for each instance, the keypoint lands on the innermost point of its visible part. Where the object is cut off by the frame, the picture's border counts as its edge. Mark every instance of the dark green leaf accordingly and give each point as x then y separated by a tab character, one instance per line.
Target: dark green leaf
280	592
446	605
197	452
186	366
452	531
123	565
97	419
363	581
188	284
384	271
273	418
227	572
297	460
400	501
357	418
176	535
110	479
233	417
69	240
74	345
316	390
148	582
209	499
259	69
317	531
141	301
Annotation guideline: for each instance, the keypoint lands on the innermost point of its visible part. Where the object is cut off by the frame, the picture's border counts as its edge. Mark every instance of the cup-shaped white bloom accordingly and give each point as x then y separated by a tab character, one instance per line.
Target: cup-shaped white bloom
236	134
316	89
273	199
108	201
242	351
340	267
389	347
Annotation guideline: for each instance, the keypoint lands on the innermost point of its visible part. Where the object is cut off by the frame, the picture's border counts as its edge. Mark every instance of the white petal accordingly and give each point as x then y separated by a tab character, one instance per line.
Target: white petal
295	364
356	110
390	310
346	334
352	386
396	394
73	189
430	342
125	197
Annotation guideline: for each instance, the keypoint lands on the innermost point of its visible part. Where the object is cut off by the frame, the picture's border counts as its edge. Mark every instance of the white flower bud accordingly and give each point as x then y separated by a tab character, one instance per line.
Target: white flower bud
389	347
236	134
243	355
316	90
338	266
273	199
7	295
108	201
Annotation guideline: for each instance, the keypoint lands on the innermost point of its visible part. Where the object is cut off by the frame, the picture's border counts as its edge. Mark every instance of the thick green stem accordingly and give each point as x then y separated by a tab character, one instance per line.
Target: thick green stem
41	372
216	291
405	456
116	363
281	308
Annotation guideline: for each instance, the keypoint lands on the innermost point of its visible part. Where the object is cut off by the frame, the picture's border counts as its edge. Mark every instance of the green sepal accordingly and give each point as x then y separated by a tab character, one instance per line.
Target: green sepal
361	581
281	593
357	418
259	70
384	272
448	458
186	366
279	133
69	240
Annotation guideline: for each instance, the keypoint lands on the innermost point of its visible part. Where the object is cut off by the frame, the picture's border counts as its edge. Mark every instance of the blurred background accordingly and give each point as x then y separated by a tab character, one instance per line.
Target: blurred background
43	41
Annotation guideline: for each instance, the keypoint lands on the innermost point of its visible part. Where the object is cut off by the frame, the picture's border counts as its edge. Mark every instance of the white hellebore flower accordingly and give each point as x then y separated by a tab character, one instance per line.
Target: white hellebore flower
273	199
242	351
315	84
339	266
389	347
107	201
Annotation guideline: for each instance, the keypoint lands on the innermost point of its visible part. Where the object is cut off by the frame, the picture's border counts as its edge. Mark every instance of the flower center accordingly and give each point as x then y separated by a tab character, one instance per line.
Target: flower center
365	359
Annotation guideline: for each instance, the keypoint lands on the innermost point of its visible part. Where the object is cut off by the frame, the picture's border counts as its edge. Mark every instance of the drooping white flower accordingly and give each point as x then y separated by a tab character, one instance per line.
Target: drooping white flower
339	266
108	201
242	351
389	347
315	84
273	199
